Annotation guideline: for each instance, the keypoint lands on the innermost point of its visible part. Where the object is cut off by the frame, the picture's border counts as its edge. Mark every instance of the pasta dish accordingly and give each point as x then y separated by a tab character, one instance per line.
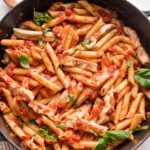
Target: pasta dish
75	77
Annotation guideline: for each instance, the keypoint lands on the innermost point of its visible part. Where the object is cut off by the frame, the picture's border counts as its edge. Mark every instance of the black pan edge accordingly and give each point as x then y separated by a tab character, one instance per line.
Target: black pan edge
107	3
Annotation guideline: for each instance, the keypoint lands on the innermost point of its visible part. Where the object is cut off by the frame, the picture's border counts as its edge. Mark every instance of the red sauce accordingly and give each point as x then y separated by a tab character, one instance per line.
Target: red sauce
68	12
39	121
106	15
95	111
74	138
29	43
58	30
78	121
10	68
93	95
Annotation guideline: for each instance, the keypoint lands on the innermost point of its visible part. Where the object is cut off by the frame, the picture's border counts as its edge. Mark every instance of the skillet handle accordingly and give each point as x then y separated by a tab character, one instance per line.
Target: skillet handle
147	13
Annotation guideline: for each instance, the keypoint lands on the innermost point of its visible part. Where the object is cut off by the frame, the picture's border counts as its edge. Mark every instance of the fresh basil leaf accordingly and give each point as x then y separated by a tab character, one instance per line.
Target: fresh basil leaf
70	98
8	112
140	129
75	50
52	137
86	44
23	60
94	133
46	30
32	138
40	18
112	136
62	126
145	72
41	43
128	64
142	77
43	132
101	144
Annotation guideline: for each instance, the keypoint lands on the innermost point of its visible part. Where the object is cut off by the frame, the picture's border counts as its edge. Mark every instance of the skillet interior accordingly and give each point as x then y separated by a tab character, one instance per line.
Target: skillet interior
126	12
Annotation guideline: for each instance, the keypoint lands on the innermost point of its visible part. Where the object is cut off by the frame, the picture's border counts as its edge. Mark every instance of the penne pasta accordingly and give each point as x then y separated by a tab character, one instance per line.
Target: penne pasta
82	19
89	7
96	27
7	42
125	106
134	105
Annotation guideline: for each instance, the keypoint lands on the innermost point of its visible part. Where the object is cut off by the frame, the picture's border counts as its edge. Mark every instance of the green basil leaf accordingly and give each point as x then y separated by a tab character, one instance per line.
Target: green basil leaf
128	64
32	138
43	132
62	126
75	50
142	81
142	77
86	44
40	18
70	98
46	30
140	129
8	112
23	60
145	72
101	145
41	43
94	133
52	137
112	136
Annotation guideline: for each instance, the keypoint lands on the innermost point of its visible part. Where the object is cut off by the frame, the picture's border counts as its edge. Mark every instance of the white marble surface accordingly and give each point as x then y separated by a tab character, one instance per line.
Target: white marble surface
141	4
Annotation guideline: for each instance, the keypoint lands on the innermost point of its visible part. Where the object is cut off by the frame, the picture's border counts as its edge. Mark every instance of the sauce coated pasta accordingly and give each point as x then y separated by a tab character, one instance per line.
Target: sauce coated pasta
73	79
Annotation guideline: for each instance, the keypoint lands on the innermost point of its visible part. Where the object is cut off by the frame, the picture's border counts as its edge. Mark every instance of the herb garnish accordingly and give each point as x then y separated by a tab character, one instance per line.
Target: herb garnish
142	77
44	133
62	126
111	137
141	128
128	64
46	30
70	98
40	18
86	44
23	60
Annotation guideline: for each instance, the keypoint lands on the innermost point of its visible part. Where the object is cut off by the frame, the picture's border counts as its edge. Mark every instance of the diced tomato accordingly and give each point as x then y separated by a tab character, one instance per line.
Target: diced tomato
58	30
93	95
106	15
29	43
95	111
39	121
68	12
78	121
74	138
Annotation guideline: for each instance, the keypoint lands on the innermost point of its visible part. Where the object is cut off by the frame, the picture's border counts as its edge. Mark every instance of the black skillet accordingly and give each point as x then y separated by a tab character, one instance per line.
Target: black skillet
126	12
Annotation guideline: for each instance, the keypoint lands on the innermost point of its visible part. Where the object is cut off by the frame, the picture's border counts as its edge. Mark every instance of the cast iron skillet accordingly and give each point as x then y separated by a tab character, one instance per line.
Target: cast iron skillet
126	12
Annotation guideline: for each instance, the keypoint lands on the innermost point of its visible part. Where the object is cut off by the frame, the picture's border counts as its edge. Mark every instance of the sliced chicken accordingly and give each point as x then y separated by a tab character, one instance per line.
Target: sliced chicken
141	52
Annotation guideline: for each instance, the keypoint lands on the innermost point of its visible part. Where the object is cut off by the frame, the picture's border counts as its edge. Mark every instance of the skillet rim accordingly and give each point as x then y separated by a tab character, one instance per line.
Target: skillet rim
21	4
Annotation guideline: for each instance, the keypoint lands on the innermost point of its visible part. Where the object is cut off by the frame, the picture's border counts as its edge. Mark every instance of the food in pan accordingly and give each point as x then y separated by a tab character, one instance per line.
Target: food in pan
74	79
